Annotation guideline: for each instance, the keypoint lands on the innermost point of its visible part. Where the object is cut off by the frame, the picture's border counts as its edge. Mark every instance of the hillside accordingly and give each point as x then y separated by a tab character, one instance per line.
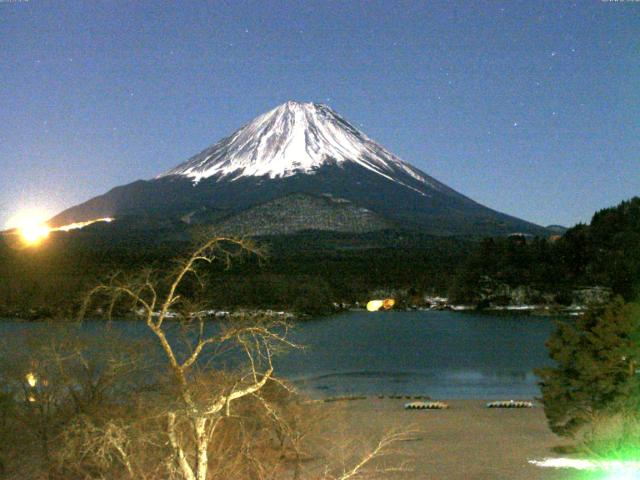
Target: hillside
606	253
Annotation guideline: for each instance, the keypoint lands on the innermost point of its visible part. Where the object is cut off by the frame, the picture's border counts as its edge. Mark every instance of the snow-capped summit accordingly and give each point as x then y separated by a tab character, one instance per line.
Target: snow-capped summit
294	138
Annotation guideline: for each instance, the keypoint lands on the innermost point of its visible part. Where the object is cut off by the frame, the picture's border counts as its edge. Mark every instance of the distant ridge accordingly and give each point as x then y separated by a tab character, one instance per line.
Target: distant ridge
556	229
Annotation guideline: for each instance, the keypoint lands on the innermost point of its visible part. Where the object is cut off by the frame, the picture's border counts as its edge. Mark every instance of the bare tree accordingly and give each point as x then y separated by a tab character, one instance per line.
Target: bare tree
51	375
368	464
192	421
350	453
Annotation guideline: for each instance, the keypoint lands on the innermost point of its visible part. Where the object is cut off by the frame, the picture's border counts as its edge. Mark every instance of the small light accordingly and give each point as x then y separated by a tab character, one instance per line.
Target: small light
31	379
388	303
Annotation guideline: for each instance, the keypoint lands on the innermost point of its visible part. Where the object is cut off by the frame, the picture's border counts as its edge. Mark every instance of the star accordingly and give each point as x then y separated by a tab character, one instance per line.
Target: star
515	124
553	54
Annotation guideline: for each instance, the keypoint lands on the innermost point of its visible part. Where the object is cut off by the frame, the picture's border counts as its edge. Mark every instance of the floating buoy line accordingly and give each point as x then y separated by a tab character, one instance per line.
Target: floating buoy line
425	406
510	404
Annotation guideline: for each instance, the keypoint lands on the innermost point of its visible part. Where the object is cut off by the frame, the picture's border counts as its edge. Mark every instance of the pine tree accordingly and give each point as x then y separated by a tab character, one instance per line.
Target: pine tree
596	364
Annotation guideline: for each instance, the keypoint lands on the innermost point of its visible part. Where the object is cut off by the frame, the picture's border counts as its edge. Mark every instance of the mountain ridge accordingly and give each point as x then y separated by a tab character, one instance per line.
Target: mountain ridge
302	148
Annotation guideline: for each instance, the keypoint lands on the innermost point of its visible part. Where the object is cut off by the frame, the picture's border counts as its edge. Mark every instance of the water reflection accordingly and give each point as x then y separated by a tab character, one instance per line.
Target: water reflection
440	354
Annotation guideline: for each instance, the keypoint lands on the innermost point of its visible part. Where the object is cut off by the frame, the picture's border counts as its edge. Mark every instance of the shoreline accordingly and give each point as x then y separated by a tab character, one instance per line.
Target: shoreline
210	315
39	314
411	398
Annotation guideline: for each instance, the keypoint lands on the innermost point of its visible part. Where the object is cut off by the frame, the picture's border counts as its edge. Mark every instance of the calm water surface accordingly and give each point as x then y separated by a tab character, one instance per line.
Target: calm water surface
440	354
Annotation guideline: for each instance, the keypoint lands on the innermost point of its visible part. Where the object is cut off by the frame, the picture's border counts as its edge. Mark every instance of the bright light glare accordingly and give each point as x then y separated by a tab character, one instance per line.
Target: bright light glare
34	233
30	226
625	474
33	229
611	469
375	305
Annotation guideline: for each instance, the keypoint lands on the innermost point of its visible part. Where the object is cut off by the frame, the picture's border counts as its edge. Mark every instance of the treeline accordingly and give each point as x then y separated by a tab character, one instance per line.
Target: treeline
605	253
49	280
305	273
309	271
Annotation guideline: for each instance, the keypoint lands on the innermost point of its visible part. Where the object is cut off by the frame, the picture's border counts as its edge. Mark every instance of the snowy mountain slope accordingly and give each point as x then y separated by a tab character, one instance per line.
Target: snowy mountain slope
300	148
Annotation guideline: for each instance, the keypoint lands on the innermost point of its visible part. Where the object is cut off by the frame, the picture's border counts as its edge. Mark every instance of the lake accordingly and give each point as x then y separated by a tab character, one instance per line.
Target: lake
442	354
437	353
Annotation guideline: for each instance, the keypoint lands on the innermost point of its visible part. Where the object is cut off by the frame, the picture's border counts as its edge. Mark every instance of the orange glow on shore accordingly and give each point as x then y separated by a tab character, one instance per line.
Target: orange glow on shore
376	305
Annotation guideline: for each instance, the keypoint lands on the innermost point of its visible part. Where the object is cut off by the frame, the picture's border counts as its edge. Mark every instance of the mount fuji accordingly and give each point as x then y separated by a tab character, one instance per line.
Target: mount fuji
300	166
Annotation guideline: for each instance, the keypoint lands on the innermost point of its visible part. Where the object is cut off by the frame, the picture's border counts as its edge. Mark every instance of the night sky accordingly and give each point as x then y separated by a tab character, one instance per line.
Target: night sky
531	108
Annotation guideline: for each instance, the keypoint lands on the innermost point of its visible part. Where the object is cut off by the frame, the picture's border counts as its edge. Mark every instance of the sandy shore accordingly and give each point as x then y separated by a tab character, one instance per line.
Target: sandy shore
466	442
